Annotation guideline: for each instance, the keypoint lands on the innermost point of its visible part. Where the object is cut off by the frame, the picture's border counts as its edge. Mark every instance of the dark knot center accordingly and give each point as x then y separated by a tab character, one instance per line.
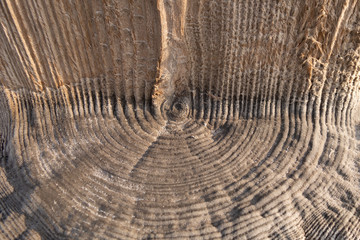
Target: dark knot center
178	110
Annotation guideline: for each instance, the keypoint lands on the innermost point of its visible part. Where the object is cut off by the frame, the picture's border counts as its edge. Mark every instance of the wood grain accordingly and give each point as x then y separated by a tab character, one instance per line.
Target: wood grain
171	119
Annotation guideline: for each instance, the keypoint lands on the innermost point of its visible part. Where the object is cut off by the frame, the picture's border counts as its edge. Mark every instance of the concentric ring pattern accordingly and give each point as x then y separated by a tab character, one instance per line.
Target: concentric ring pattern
172	119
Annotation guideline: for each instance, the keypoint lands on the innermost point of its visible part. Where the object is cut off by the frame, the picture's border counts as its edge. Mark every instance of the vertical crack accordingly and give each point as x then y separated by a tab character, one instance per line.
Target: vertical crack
172	66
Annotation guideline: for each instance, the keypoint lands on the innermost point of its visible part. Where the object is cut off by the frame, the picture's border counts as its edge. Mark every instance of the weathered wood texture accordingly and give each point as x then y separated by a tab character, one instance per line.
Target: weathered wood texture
209	119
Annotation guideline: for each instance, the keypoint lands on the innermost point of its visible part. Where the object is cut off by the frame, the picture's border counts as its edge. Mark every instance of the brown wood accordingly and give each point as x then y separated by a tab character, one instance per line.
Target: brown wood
179	119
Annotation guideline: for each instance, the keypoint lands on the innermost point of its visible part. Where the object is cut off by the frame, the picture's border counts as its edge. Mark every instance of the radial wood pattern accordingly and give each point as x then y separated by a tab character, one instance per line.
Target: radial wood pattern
179	119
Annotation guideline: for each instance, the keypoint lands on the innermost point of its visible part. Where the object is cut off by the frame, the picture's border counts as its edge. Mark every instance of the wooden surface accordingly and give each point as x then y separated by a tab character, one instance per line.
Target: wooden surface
179	119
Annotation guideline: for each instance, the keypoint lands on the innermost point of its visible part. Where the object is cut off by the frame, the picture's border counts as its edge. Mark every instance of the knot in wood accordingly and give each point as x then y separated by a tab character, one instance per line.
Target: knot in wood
179	109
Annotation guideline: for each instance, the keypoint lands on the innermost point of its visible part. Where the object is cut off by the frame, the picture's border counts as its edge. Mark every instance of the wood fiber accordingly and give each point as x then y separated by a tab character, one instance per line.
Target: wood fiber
180	119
